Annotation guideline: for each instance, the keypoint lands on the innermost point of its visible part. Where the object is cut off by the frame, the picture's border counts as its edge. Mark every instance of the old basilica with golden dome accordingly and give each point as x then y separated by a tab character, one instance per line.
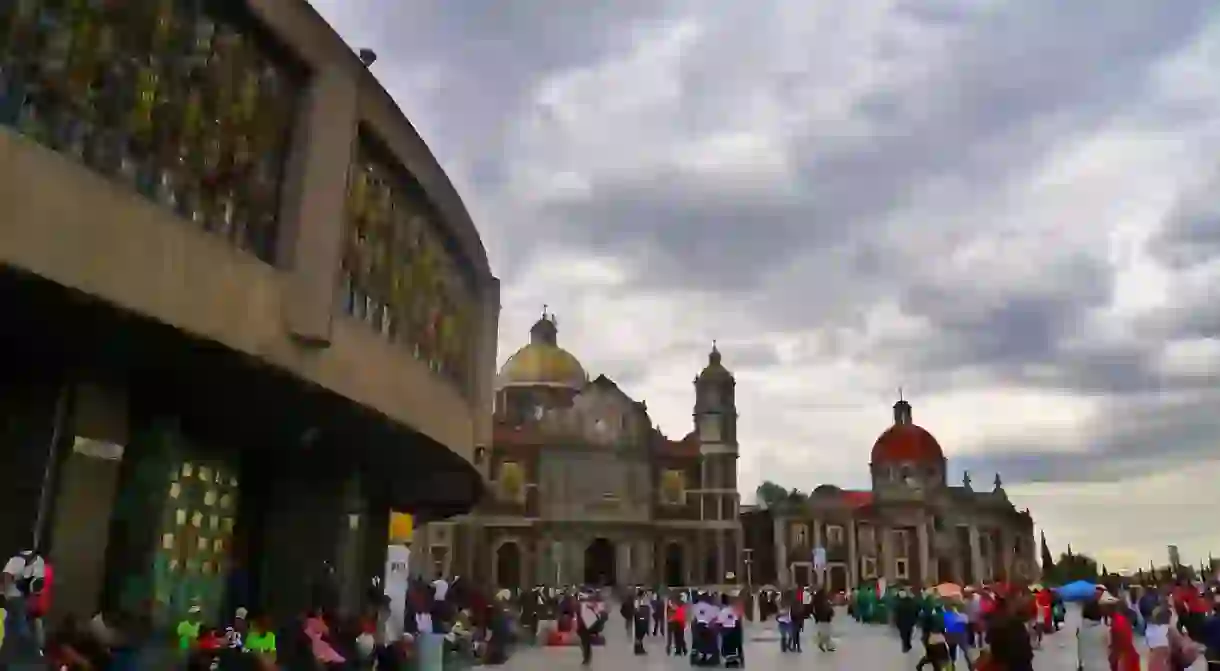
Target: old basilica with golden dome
584	489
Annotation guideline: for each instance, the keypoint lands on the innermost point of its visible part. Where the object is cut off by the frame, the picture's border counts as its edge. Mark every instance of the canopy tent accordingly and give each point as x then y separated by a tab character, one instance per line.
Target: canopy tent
1077	591
948	590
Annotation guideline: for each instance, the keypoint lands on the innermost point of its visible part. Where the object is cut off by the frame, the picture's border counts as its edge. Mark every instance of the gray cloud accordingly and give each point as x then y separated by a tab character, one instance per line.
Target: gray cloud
1138	436
913	138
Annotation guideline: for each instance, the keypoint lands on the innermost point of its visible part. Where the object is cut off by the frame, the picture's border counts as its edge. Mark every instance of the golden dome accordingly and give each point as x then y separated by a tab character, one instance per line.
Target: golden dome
542	362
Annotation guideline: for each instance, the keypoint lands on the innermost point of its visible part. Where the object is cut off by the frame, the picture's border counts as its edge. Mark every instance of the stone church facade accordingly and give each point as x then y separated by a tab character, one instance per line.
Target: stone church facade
584	489
911	527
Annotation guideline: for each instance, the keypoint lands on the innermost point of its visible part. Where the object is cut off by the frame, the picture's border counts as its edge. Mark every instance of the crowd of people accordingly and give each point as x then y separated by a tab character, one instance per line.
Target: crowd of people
995	627
454	621
1002	627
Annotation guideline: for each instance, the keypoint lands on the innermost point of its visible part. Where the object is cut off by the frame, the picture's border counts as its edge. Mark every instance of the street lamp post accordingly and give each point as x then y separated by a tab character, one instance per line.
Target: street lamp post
749	562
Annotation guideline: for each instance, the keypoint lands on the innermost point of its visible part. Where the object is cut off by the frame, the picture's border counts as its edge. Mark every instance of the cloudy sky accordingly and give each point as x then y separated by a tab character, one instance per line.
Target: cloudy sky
1009	208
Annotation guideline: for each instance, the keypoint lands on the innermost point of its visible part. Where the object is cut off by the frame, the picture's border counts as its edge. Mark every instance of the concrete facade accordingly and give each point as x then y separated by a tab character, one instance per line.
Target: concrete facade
190	419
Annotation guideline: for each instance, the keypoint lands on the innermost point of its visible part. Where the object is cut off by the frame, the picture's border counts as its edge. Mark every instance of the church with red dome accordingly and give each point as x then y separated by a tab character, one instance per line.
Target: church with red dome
911	526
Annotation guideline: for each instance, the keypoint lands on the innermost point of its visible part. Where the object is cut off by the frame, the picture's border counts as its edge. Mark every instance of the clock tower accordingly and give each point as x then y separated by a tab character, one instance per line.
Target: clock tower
715	419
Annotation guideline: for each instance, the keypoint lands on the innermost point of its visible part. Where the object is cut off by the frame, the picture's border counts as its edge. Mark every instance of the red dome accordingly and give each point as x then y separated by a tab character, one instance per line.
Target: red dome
906	442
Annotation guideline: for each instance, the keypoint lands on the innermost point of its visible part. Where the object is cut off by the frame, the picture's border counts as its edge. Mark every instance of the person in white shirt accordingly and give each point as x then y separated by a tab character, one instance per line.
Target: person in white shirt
590	619
703	636
730	632
642	614
23	576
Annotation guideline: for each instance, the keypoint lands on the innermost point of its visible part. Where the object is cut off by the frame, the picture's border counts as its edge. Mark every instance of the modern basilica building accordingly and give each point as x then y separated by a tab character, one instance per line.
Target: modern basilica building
245	312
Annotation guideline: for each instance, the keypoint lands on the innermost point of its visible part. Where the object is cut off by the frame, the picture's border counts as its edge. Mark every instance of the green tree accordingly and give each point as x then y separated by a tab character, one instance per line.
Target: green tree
770	495
1072	567
1048	560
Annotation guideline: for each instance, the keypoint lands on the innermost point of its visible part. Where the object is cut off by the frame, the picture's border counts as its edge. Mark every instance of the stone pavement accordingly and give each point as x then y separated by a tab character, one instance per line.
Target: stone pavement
860	648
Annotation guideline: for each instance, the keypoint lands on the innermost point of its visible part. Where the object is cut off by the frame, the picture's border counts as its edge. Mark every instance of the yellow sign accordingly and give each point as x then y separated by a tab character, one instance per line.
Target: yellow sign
402	527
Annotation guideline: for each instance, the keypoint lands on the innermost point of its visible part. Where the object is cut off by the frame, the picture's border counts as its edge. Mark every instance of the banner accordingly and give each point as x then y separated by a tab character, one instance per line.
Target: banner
397	579
402	527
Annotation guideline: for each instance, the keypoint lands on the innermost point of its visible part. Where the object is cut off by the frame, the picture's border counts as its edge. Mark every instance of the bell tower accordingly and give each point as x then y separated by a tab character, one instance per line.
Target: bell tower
715	419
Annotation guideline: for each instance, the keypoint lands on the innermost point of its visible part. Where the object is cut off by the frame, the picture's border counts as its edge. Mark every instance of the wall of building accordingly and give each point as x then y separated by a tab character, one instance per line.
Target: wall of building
109	241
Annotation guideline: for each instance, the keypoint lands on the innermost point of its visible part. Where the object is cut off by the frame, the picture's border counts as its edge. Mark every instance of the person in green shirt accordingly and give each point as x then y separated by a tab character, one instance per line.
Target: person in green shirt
260	640
188	629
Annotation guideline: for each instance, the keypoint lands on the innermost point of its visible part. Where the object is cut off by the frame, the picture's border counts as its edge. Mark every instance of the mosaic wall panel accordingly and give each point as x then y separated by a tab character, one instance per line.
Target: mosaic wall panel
192	558
399	274
191	110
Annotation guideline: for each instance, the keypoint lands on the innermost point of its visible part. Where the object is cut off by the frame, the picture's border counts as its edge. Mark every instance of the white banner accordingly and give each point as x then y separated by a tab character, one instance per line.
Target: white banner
819	558
397	579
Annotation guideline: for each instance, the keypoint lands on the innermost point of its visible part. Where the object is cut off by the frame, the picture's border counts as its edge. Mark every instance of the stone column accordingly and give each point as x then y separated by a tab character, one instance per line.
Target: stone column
313	200
721	565
1006	555
853	559
816	538
886	570
574	566
926	571
976	554
780	533
643	553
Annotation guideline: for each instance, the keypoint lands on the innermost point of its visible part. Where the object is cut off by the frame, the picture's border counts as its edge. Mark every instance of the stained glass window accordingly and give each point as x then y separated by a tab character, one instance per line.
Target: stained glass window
402	272
673	487
512	481
188	106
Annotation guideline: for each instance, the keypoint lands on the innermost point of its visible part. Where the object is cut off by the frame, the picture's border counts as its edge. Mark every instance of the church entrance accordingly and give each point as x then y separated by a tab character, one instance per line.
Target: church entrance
674	575
837	578
508	566
600	563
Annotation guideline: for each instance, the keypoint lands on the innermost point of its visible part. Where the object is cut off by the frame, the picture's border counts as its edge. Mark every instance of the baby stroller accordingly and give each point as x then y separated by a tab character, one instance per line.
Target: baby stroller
731	646
704	650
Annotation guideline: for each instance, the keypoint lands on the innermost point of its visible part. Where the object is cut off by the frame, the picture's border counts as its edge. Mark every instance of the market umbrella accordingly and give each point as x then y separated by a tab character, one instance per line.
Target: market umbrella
1081	590
948	590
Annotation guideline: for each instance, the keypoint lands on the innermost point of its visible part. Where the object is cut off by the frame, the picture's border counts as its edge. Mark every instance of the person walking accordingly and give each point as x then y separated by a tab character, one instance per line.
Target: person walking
823	615
589	623
1123	655
642	616
24	578
675	639
906	615
1092	639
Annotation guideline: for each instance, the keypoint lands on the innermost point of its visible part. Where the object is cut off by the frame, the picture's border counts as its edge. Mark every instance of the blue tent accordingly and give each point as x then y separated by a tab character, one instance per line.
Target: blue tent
1077	591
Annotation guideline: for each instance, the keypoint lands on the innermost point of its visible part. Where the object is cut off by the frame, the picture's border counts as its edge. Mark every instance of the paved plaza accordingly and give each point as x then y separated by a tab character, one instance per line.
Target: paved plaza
860	648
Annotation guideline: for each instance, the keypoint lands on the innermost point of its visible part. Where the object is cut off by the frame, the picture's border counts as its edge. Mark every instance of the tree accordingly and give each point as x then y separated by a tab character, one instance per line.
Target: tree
1073	567
770	495
1048	561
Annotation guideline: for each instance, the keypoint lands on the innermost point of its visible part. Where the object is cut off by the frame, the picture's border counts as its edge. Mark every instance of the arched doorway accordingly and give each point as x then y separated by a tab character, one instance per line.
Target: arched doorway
600	563
674	556
508	565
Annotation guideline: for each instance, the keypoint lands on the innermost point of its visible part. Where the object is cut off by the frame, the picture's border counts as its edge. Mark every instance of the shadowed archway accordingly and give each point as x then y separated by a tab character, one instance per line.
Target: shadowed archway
600	563
508	565
674	561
